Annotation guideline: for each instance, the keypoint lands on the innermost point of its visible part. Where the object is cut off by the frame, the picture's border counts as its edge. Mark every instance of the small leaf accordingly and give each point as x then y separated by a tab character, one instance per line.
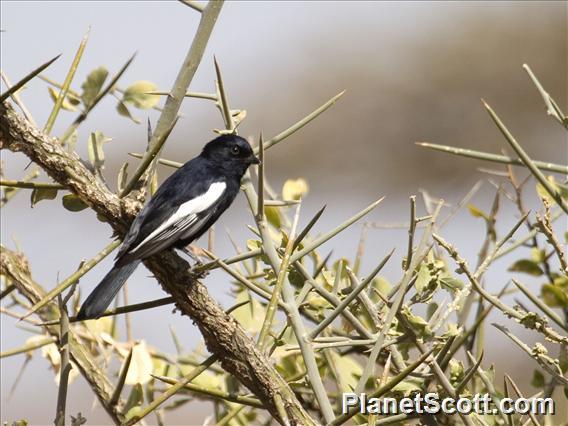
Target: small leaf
419	324
563	358
93	84
39	194
432	306
134	402
125	112
273	216
95	148
71	141
294	189
452	283
317	303
73	203
423	278
527	266
537	379
382	286
543	193
122	177
137	95
477	212
251	316
538	255
407	387
100	327
554	296
348	369
66	104
140	366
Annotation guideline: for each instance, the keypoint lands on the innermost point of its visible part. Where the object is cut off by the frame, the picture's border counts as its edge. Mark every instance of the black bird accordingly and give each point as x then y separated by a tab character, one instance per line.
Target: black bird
181	210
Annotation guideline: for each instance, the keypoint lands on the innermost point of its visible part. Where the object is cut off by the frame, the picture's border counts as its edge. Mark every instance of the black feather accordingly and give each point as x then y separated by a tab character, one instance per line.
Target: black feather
224	159
95	305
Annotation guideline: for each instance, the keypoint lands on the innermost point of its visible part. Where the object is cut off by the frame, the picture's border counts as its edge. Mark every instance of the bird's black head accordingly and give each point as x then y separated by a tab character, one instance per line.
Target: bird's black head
231	153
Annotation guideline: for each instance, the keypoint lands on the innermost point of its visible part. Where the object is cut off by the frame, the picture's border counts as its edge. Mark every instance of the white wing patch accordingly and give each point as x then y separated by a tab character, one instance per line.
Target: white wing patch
187	212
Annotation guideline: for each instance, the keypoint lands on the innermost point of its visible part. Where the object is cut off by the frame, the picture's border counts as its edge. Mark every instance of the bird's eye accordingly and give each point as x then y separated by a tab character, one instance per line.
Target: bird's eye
235	150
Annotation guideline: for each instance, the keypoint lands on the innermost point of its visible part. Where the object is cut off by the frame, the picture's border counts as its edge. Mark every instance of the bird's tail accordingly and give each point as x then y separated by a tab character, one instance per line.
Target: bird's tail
94	306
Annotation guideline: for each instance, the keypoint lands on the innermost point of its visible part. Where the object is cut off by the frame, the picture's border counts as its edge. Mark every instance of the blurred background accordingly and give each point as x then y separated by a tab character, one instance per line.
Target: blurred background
412	71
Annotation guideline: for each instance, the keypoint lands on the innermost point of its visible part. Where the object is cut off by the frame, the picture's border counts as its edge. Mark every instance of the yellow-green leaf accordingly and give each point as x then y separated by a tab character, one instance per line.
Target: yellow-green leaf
273	216
294	189
95	148
134	402
250	316
93	85
140	366
137	95
476	212
348	369
526	266
125	112
554	296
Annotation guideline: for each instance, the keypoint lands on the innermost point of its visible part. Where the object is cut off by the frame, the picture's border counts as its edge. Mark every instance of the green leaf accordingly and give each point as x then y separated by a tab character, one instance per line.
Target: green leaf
538	379
95	148
452	283
134	402
423	278
554	296
475	212
294	189
538	255
93	84
545	195
432	306
563	358
122	177
141	365
407	387
251	316
71	141
273	216
527	266
73	203
39	194
348	369
419	325
125	112
137	95
381	286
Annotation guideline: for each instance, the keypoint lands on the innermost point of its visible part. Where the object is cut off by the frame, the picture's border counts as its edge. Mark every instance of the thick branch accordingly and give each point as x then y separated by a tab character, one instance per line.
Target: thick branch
15	266
223	335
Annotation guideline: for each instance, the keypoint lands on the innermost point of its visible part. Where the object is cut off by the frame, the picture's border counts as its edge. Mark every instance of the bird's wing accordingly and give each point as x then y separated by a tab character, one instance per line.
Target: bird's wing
161	224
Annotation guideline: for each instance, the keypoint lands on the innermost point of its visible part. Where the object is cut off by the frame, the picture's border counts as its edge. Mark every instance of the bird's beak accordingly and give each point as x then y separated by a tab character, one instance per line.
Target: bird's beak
255	160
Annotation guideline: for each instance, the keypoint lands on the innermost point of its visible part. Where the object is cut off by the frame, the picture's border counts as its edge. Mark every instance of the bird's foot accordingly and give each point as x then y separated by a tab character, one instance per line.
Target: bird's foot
196	273
193	253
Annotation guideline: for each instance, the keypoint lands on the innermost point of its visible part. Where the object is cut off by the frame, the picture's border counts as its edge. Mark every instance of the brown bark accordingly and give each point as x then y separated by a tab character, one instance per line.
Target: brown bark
15	267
